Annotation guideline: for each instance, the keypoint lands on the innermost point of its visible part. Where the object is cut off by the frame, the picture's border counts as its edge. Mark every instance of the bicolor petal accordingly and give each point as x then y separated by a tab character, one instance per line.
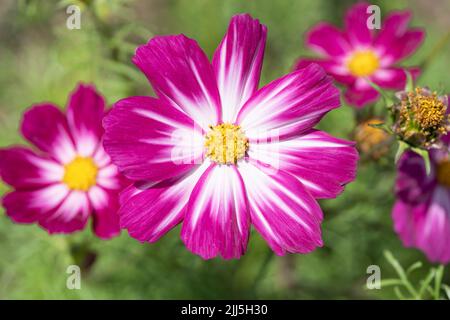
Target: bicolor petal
181	75
217	221
149	213
46	127
237	63
290	105
85	112
149	140
322	163
281	210
23	169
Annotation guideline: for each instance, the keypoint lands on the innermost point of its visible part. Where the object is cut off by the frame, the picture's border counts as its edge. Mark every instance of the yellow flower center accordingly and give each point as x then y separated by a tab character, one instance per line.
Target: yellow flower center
363	63
443	173
80	174
226	143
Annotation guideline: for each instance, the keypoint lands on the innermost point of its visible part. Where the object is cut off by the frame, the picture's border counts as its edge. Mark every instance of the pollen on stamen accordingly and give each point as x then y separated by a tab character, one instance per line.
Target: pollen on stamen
226	143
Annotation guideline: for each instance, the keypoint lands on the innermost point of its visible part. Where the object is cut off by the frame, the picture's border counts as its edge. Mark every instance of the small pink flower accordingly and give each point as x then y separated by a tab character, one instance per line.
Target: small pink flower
422	211
70	177
358	53
214	152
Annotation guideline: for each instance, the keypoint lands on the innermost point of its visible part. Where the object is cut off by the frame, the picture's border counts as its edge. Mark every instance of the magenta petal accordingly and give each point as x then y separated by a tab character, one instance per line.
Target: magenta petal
361	97
290	105
149	213
85	112
71	215
46	127
433	231
356	25
394	26
181	74
322	163
328	40
23	169
217	219
237	63
406	45
281	210
332	67
393	78
105	204
34	205
149	140
405	217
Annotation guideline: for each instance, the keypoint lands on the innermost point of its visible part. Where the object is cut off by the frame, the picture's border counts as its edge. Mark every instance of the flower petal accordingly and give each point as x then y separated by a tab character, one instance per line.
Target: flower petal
289	105
394	26
181	74
72	215
149	140
217	219
322	163
393	78
149	213
405	45
237	63
33	205
328	40
433	232
281	210
85	112
336	69
22	168
105	215
360	97
356	25
46	127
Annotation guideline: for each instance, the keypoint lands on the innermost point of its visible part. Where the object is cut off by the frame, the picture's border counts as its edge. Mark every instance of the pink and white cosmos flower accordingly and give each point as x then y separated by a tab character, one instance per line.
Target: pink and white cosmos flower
357	53
69	177
214	152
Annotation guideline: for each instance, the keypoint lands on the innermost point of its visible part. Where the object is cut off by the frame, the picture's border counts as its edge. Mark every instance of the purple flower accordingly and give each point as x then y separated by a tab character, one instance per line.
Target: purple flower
357	53
422	211
69	177
214	152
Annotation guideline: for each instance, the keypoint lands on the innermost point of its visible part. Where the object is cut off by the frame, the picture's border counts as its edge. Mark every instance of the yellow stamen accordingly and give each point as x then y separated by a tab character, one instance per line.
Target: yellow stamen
443	173
226	143
80	174
428	109
363	63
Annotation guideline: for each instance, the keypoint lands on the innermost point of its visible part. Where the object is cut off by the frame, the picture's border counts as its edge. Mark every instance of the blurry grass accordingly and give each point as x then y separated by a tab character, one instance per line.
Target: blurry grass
40	60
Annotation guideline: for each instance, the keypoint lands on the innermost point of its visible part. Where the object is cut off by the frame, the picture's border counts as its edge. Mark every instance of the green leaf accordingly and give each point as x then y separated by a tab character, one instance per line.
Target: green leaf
402	147
438	281
426	158
447	290
414	267
391	282
426	283
409	87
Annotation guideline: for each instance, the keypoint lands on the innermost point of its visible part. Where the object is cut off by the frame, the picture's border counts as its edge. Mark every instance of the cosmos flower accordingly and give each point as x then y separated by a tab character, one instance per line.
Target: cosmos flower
214	152
68	177
422	211
358	53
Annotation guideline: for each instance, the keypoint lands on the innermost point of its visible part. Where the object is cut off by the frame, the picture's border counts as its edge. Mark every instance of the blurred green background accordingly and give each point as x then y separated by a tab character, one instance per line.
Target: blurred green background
41	60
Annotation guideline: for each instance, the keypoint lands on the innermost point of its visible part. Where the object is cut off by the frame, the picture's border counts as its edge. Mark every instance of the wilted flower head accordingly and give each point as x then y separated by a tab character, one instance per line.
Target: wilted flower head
421	118
370	140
